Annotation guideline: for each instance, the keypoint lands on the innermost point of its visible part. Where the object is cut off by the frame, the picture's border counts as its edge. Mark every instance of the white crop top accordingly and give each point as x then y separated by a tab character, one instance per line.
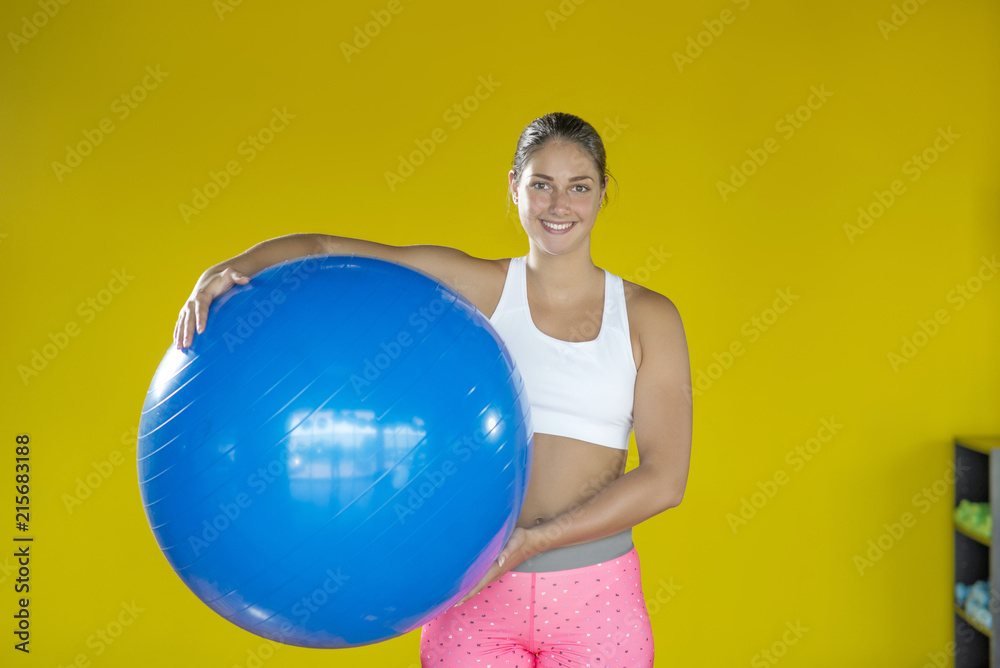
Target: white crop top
579	389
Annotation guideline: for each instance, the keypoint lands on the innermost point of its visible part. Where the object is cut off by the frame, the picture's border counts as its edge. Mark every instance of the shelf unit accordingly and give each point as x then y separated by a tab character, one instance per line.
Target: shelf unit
977	478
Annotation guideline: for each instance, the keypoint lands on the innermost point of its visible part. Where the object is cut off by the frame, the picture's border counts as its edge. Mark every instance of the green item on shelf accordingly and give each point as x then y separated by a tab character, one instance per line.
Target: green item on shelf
974	517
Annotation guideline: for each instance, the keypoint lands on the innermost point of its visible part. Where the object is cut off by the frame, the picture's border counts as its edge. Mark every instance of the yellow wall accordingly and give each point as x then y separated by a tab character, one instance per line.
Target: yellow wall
673	130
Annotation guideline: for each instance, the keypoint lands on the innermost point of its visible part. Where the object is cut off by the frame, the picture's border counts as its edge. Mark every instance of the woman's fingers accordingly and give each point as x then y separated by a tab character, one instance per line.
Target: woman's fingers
186	327
179	330
199	315
193	318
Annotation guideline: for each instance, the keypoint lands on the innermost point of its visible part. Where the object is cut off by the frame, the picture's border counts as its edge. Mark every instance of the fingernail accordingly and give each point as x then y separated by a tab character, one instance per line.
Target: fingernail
501	560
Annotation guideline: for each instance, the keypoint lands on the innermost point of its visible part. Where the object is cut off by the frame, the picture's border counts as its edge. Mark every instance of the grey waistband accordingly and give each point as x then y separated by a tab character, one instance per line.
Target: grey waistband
576	556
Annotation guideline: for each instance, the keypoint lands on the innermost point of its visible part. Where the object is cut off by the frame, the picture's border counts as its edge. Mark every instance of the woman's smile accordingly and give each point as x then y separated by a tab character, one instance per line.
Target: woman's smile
557	227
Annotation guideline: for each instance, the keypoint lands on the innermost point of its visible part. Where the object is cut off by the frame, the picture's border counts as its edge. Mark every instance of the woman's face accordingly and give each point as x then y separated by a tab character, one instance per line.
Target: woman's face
558	197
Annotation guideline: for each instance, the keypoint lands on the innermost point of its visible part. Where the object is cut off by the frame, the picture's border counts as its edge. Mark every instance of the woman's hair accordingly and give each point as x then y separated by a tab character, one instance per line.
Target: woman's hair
558	126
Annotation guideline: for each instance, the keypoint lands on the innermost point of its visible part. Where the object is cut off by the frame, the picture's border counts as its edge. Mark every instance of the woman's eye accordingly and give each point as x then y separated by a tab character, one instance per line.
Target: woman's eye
580	185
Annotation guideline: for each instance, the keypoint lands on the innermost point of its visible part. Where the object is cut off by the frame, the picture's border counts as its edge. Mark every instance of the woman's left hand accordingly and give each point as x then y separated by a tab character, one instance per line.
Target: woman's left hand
519	547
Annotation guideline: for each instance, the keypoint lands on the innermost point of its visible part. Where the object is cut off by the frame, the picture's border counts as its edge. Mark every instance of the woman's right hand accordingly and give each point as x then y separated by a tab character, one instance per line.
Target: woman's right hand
194	314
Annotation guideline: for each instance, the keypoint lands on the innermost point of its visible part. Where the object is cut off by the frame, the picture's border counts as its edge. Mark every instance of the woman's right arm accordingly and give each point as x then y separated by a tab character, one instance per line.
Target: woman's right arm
461	272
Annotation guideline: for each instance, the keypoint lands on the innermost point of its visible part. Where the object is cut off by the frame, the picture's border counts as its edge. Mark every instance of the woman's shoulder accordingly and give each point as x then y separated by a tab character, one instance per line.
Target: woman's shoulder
647	303
481	280
652	316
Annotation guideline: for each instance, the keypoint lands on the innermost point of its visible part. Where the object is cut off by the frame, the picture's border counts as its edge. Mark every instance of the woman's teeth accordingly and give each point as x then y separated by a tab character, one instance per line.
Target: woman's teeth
556	226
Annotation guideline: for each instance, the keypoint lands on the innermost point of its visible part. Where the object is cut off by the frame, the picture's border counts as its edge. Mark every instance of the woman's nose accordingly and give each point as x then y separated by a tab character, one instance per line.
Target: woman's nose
560	202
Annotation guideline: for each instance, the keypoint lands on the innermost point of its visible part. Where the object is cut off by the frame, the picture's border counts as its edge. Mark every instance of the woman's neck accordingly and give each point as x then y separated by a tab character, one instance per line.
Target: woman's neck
563	277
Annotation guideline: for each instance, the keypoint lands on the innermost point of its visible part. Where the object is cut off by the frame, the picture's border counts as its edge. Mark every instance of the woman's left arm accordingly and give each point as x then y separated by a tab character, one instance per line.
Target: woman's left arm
662	419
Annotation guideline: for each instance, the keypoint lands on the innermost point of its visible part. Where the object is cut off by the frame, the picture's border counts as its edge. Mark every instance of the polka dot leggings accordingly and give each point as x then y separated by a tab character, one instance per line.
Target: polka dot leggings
589	616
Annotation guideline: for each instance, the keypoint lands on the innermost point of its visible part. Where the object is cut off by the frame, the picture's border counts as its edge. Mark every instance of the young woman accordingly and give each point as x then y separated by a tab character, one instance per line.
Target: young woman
598	355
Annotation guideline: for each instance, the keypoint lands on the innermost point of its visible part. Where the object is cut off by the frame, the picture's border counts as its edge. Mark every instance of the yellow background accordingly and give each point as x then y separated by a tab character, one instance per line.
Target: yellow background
672	134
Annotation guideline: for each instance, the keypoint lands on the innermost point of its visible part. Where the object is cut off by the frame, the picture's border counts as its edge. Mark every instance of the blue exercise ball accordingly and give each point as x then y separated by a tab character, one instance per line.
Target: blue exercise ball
340	456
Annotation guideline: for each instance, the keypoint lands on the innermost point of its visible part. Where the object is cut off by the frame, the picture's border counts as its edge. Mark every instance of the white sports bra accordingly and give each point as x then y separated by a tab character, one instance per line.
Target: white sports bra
579	389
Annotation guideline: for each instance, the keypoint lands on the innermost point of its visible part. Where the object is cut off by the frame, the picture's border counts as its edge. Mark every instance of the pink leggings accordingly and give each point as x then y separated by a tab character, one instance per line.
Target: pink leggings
589	616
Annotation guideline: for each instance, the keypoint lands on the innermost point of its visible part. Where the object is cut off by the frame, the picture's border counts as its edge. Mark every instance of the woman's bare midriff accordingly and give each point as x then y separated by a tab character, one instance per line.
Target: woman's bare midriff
566	472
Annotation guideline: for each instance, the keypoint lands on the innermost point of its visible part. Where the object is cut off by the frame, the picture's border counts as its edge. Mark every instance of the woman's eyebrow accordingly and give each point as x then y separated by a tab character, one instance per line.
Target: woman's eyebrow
575	178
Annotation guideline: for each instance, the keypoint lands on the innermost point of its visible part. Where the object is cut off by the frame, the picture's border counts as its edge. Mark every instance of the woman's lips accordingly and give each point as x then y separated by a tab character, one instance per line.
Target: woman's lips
558	227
